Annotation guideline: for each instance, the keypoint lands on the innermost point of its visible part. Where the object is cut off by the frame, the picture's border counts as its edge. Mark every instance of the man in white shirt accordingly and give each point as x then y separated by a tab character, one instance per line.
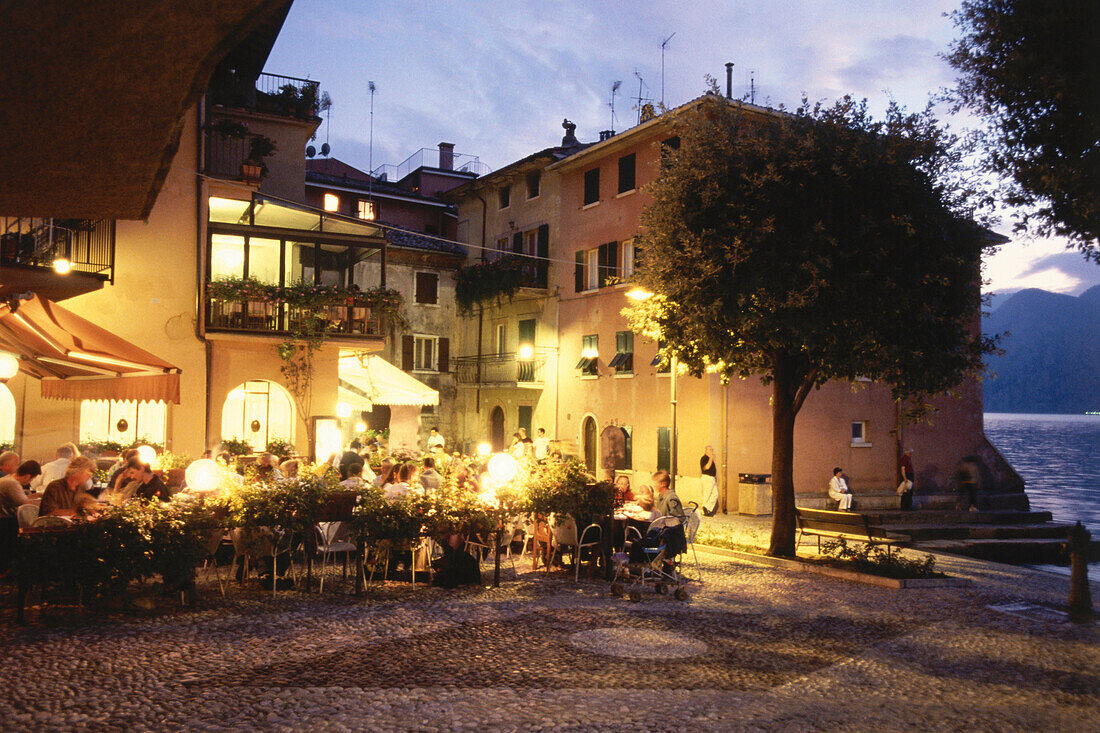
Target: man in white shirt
838	489
542	445
434	439
55	469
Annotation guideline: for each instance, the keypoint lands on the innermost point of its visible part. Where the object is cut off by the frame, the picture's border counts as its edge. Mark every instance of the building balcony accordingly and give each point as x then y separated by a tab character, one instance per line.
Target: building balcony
279	318
501	370
57	258
284	96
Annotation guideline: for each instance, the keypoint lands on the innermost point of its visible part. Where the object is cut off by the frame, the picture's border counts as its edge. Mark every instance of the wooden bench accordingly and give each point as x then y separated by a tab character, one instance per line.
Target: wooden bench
844	525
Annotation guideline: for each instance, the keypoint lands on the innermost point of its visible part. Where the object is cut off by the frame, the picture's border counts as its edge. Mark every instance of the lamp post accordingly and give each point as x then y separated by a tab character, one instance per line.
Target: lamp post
502	469
672	400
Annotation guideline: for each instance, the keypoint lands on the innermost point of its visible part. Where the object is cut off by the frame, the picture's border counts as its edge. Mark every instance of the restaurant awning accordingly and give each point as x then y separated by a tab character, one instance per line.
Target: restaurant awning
383	383
78	360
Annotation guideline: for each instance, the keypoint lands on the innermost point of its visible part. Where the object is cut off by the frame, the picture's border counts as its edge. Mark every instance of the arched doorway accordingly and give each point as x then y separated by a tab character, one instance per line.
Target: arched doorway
258	411
615	449
7	415
591	447
496	429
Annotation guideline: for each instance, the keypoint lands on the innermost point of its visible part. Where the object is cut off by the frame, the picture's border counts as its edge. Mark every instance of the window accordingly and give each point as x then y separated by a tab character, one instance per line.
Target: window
122	422
524	419
424	353
628	448
534	180
663	365
501	340
623	361
626	266
258	411
626	173
590	355
594	268
527	332
505	196
668	145
226	256
859	434
664	449
366	210
591	186
427	288
332	202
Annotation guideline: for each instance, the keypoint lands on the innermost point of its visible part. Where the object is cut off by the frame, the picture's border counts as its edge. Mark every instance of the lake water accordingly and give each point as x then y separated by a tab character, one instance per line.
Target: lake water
1059	459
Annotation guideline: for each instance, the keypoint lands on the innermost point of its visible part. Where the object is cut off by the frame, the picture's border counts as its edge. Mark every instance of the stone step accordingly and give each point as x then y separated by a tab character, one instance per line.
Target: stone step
879	500
1016	551
924	532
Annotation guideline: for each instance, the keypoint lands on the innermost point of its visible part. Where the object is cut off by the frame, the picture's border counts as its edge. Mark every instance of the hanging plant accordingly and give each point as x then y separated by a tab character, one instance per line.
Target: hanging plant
485	281
242	289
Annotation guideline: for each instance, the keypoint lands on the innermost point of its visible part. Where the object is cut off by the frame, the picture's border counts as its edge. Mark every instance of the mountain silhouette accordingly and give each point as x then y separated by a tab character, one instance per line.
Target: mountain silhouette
1051	362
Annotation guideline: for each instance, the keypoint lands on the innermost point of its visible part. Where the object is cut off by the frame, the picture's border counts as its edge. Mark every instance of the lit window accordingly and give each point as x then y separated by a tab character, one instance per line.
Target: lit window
366	209
590	355
424	351
122	422
332	202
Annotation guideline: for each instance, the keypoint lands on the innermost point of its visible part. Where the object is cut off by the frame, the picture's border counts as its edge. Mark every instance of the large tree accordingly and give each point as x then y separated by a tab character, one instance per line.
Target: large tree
1029	67
807	246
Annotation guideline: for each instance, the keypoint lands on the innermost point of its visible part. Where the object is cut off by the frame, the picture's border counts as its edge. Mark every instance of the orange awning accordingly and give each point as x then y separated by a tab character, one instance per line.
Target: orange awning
78	360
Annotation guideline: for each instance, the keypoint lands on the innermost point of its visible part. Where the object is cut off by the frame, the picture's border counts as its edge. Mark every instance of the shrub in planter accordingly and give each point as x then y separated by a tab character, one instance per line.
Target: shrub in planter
279	447
876	560
236	446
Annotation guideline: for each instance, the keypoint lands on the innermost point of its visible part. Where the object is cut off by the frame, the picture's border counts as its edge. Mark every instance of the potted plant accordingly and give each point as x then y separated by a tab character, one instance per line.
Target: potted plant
253	168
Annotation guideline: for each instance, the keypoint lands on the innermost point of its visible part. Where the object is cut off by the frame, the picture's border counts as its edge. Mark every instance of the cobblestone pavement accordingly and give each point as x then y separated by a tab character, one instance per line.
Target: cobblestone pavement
762	649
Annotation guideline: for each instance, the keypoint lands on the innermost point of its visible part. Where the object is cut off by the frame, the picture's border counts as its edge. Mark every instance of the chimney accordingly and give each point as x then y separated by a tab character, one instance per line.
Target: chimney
606	135
729	80
447	156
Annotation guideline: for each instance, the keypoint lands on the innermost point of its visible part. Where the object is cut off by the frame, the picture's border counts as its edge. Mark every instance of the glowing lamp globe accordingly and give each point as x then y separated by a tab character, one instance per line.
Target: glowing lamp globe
146	454
484	449
343	409
62	266
360	427
9	365
526	352
202	475
502	468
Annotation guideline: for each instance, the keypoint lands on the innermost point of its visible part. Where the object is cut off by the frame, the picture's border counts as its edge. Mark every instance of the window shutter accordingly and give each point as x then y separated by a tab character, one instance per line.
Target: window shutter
578	272
664	449
613	259
407	353
444	354
543	245
517	242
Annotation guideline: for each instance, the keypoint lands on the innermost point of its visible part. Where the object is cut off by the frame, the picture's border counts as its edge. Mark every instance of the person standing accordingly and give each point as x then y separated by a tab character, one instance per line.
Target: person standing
542	445
708	468
908	486
434	439
838	489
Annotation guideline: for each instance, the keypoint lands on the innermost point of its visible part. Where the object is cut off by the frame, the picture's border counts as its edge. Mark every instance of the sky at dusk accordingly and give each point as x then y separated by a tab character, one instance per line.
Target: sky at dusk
497	78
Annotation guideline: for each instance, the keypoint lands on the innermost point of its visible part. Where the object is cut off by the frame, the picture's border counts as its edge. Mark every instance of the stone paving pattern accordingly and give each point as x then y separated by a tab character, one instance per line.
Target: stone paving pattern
783	651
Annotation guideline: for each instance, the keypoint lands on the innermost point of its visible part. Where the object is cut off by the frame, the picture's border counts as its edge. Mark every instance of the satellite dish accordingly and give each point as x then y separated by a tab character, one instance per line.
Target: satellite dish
325	149
310	151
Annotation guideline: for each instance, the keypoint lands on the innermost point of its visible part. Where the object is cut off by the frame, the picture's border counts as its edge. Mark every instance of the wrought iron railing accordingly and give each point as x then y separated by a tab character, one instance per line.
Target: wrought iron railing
533	271
501	369
225	156
87	244
279	318
288	96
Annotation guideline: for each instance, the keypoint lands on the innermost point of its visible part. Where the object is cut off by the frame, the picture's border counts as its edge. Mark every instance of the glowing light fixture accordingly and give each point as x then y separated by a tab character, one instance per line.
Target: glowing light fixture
62	266
9	365
331	202
329	439
146	454
202	475
484	449
639	294
360	427
343	409
526	352
503	468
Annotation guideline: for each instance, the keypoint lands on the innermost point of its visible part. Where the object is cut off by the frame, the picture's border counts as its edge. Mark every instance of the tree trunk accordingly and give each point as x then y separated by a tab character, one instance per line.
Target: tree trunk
784	409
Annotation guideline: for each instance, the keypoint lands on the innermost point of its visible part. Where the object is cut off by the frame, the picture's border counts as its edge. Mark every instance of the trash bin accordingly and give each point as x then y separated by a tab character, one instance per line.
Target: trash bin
754	494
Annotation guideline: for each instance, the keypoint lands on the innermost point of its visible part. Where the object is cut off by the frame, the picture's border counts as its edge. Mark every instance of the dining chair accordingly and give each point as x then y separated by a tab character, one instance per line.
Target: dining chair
332	537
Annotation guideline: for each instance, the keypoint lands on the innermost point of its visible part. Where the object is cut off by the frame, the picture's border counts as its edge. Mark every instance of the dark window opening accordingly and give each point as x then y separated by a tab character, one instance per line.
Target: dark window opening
427	288
591	186
626	173
534	180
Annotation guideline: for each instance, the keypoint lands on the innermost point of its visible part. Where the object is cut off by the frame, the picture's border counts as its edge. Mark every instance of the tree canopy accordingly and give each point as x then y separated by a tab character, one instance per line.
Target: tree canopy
807	246
1029	68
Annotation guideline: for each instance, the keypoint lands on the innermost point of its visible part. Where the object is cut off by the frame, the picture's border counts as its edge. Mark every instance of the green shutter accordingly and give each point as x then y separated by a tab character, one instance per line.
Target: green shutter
664	449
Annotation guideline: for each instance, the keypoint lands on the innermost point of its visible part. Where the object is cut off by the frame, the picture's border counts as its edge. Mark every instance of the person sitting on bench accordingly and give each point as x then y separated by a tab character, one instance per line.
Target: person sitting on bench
838	489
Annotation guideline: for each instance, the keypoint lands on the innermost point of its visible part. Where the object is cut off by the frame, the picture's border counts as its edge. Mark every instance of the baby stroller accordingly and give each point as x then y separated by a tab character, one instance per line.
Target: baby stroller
652	560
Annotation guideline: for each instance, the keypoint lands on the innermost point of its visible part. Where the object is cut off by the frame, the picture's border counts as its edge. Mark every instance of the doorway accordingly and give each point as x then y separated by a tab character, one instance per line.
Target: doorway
590	445
496	429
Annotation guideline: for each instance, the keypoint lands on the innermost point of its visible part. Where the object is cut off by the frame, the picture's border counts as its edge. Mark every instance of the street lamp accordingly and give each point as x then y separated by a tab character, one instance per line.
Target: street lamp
640	295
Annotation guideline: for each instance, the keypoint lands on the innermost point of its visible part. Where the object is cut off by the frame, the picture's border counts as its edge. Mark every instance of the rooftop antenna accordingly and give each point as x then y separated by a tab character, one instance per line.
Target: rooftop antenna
614	88
752	86
370	148
641	99
664	45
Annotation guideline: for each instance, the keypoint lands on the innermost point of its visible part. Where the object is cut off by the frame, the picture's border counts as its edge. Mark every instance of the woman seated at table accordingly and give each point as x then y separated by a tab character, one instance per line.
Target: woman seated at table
406	475
641	510
66	496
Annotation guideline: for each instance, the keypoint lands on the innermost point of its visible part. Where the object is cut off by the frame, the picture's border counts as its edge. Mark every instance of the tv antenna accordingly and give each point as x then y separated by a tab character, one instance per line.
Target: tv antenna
752	86
370	146
664	45
614	88
641	83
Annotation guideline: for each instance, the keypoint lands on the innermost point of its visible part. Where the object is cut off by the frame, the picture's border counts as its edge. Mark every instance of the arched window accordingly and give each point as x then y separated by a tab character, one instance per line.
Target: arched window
122	422
258	411
7	415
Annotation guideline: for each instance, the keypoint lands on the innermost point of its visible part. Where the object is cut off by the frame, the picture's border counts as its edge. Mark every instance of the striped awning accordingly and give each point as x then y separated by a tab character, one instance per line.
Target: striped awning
78	360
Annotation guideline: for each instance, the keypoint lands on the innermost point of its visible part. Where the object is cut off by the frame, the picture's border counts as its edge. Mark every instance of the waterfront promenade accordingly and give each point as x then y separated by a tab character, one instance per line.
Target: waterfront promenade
755	648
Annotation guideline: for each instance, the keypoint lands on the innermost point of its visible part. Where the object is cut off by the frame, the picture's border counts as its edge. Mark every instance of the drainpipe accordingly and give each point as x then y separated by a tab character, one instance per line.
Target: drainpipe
481	309
725	447
200	259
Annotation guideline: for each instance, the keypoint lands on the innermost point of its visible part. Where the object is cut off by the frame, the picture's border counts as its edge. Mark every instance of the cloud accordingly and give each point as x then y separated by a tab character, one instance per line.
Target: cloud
1070	267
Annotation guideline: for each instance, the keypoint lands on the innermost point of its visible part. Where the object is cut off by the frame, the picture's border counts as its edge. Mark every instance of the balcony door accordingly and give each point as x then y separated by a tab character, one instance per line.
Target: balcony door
258	411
